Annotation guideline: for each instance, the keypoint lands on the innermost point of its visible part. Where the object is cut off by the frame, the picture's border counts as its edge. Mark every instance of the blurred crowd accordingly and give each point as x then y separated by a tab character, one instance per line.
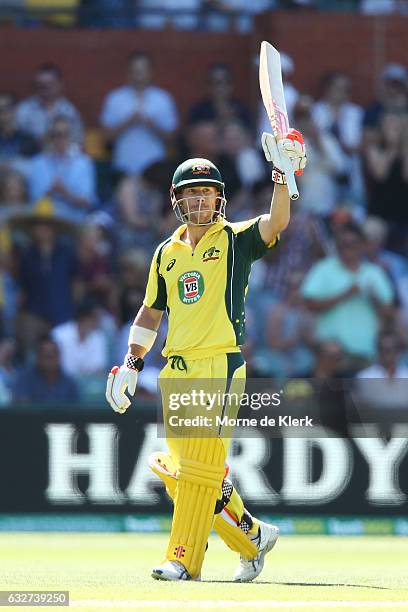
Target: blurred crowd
82	210
193	15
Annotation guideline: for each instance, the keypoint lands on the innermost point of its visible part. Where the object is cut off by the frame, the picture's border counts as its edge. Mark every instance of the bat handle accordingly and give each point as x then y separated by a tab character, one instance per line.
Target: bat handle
290	175
292	187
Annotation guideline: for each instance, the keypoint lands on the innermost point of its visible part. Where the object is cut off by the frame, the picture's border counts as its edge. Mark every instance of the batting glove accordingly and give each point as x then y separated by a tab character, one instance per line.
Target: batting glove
120	380
292	146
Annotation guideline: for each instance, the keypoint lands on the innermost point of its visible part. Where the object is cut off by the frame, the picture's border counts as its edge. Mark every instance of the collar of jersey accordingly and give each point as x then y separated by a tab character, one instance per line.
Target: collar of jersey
216	227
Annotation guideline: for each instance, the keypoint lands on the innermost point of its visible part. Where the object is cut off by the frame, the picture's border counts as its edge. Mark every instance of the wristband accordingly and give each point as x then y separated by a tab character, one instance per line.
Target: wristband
278	177
134	363
142	336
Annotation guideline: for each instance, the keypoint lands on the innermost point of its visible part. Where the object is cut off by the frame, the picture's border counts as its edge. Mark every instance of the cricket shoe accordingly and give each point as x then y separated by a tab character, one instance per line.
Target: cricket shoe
172	570
266	540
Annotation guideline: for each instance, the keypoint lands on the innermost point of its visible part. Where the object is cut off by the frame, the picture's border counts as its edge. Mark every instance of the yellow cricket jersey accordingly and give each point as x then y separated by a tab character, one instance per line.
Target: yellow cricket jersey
204	290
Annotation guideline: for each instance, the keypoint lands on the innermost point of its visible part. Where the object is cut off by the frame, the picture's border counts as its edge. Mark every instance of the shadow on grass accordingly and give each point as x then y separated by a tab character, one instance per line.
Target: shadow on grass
304	584
334	584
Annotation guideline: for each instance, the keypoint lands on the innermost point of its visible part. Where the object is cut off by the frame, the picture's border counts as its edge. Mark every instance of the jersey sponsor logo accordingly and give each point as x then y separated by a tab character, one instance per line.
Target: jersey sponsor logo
200	169
170	265
211	254
191	287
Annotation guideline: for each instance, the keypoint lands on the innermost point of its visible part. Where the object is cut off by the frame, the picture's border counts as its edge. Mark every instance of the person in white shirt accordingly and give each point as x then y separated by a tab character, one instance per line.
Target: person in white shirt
139	119
336	114
327	163
35	114
388	384
82	343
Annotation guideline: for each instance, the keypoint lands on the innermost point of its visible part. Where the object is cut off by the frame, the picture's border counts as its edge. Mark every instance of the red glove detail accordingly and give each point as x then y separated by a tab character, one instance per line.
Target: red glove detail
297	136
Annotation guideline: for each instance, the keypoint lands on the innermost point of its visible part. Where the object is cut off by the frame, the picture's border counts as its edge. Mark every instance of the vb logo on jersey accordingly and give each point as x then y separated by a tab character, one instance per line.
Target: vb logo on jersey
211	254
191	287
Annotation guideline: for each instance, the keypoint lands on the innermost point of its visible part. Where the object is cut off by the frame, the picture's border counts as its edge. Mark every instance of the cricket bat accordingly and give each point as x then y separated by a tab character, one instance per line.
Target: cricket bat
270	81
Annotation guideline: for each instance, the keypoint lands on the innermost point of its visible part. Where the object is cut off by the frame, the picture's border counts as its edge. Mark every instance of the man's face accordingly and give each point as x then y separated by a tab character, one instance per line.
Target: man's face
6	111
349	246
204	140
140	72
47	85
199	203
48	358
42	233
60	136
339	90
220	83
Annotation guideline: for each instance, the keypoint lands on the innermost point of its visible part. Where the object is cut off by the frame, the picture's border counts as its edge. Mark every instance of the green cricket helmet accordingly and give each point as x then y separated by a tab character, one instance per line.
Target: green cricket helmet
197	172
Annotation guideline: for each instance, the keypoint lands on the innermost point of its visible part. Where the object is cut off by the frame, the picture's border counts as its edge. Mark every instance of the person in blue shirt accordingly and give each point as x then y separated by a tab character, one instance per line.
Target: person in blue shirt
45	382
139	119
47	273
350	297
63	173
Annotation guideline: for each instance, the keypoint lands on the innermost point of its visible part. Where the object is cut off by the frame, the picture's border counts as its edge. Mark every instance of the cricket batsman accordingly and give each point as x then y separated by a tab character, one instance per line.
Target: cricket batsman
199	276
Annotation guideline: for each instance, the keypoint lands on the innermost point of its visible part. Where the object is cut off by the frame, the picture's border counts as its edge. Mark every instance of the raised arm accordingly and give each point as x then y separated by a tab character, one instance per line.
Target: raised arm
293	146
271	224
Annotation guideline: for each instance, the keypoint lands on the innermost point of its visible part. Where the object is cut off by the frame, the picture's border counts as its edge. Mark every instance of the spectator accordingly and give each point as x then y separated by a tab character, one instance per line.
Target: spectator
7	369
392	97
376	233
327	164
335	113
139	118
350	297
139	205
388	364
249	162
16	146
387	174
46	273
290	91
133	272
383	7
289	333
220	106
94	252
82	343
388	384
328	361
303	242
221	13
178	14
203	140
46	382
330	394
13	190
36	114
107	13
63	173
13	200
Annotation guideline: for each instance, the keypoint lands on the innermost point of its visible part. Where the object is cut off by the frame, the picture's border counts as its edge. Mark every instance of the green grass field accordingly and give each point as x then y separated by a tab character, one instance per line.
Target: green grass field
112	571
